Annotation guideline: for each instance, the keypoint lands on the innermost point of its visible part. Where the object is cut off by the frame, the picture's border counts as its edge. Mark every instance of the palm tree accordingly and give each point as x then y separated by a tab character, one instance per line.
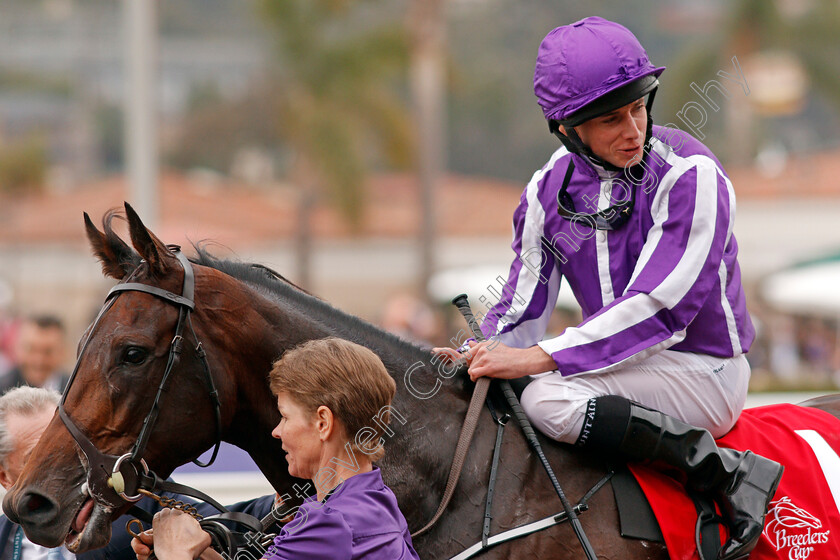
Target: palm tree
805	32
335	94
427	27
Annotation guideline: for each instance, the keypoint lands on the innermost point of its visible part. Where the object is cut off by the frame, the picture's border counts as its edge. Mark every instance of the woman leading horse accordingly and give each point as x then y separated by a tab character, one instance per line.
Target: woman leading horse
245	317
334	397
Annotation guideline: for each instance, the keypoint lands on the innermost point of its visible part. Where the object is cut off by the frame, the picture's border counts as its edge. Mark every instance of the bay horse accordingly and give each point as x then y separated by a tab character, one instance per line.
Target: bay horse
245	317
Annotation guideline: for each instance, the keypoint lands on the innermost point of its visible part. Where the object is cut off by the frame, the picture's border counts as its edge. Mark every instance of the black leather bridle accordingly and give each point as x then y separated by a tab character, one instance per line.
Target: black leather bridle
126	474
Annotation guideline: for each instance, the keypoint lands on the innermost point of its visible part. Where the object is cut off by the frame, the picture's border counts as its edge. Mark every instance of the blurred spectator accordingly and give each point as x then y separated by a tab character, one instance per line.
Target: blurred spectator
784	349
816	341
410	318
7	330
24	414
40	351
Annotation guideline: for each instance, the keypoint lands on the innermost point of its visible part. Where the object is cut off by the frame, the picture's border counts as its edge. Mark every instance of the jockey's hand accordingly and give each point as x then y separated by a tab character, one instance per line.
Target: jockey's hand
142	546
178	536
491	358
451	356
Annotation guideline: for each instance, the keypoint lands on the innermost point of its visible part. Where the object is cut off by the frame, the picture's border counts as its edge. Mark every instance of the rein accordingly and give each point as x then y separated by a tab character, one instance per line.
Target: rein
569	512
121	474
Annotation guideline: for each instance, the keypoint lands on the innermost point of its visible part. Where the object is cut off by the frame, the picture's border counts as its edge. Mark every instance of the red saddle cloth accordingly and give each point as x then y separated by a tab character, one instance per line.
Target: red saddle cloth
804	518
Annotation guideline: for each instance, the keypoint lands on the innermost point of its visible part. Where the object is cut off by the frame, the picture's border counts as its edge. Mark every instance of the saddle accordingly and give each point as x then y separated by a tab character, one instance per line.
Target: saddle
805	512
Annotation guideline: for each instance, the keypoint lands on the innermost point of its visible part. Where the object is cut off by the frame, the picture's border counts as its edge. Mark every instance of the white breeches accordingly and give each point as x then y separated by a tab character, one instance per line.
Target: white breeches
704	391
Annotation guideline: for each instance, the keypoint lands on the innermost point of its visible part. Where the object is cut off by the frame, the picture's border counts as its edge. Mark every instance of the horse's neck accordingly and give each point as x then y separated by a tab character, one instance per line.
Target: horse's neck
255	333
420	431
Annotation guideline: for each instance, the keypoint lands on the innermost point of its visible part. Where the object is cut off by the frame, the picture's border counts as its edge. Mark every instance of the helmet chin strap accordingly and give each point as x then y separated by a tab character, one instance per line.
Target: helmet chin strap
574	144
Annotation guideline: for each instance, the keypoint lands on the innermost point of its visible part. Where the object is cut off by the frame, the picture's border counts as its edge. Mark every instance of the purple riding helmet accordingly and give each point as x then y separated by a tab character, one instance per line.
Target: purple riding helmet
589	68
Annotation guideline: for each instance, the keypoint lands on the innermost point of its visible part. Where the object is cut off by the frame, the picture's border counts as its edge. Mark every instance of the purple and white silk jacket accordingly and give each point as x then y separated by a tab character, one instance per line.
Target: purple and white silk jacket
668	278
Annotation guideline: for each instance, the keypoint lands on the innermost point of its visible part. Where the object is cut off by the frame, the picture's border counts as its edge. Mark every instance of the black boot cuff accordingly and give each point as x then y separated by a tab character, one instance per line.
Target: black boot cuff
604	423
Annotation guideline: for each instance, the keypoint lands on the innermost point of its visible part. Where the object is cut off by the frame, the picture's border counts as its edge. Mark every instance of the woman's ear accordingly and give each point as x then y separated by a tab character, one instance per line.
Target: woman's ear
324	422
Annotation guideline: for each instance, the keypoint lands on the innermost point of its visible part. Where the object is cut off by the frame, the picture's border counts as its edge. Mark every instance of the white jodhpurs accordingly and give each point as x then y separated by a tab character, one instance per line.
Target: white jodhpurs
704	391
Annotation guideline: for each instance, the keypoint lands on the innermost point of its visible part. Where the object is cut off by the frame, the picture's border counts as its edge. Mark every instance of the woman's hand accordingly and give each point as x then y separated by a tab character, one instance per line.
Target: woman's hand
178	536
142	546
491	358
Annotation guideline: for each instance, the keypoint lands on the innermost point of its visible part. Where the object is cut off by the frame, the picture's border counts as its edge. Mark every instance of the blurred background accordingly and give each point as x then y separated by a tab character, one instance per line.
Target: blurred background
374	151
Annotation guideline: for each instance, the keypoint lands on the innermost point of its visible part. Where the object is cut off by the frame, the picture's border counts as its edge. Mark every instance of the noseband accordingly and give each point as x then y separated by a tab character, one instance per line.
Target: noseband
126	474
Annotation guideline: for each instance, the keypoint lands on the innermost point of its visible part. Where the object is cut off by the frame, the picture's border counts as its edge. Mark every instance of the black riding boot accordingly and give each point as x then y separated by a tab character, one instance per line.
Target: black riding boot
742	483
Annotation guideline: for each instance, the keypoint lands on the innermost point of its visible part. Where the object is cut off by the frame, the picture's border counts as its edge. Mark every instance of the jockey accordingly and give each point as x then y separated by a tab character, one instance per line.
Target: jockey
638	219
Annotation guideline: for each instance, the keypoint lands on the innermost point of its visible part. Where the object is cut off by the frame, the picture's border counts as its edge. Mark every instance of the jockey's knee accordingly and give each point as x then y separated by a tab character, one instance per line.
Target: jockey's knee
555	411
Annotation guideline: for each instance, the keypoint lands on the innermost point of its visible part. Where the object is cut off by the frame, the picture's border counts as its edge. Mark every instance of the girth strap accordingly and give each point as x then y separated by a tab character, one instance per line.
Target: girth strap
533	527
501	422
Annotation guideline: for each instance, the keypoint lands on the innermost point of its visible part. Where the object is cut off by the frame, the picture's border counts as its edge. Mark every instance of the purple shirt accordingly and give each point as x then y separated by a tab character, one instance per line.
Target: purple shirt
360	520
668	278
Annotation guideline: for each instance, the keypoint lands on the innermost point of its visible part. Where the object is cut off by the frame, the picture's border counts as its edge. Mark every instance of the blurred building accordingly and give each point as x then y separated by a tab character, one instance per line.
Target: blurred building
62	67
45	258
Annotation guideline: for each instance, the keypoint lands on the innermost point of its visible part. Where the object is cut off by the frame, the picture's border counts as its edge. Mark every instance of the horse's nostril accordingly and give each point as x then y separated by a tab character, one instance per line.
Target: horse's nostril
35	502
38	508
38	513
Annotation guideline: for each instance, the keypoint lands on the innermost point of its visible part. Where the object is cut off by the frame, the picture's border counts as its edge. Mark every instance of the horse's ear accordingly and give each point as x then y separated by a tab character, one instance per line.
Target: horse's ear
151	249
116	257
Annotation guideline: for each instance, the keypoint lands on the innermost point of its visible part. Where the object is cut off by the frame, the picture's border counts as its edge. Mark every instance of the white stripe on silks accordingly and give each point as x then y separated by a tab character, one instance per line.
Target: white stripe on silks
828	460
527	333
659	210
623	315
676	338
730	190
639	307
527	282
731	324
602	248
674	288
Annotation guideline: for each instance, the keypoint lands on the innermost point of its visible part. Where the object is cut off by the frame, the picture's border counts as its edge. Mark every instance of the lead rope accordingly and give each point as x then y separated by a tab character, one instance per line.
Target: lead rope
222	537
165	502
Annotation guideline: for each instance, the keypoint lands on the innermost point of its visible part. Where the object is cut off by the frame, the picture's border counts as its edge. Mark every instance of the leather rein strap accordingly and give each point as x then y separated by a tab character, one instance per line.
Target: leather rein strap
482	386
102	485
464	439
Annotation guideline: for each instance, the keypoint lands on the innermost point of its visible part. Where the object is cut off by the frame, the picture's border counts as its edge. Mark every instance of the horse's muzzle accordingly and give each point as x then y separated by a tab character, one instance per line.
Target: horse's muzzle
39	515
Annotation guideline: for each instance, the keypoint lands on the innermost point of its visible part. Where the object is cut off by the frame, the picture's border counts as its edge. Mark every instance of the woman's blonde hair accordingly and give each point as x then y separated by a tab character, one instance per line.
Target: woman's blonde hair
347	378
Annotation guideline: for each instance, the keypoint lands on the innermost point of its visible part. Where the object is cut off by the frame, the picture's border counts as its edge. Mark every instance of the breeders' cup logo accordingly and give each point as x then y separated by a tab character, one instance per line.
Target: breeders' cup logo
791	528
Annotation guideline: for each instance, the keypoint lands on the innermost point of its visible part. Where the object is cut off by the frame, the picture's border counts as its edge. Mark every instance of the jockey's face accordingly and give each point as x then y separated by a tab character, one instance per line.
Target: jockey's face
618	136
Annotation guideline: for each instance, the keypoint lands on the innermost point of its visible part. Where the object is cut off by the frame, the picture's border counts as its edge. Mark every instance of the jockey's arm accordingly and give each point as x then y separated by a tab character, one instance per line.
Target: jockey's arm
491	358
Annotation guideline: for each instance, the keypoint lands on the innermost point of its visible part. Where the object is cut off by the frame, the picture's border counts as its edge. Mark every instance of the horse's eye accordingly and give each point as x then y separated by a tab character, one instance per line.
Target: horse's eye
134	355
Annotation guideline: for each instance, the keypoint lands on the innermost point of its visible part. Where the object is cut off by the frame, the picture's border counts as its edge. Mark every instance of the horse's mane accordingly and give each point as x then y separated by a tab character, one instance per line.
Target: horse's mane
279	289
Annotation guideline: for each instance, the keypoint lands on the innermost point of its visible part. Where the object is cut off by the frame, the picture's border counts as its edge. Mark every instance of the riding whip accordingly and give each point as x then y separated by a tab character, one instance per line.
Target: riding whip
463	305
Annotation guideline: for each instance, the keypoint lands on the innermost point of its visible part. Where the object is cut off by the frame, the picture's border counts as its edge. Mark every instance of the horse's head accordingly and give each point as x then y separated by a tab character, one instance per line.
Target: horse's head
138	362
